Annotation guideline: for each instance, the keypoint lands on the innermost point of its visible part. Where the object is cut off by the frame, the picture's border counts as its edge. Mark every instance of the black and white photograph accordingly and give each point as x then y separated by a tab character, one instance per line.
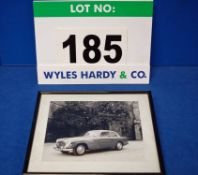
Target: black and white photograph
94	133
94	128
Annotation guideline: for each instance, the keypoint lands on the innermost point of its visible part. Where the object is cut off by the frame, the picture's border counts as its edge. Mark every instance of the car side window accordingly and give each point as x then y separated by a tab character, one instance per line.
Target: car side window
112	134
105	134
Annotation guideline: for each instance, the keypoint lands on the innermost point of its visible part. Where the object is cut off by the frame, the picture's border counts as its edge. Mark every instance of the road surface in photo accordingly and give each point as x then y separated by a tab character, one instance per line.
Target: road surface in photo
134	151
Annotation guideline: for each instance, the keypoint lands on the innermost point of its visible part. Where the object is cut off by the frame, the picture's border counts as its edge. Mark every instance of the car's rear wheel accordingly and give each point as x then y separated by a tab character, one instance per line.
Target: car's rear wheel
119	146
80	149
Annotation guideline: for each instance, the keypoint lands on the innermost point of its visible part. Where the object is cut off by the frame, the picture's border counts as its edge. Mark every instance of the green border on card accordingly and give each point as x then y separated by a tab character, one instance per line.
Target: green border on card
93	8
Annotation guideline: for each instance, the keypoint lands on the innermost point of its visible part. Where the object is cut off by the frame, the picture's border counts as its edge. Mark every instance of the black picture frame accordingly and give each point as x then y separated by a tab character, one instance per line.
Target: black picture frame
153	118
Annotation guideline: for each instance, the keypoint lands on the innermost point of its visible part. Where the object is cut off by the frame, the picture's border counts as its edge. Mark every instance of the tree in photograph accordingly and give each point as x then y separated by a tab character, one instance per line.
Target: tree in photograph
74	118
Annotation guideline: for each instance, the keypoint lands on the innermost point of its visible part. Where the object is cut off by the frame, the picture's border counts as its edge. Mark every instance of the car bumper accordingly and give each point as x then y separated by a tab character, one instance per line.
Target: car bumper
69	150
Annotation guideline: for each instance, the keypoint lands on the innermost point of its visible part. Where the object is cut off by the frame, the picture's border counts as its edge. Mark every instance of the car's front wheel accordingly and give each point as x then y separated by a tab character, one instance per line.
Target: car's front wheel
80	149
119	146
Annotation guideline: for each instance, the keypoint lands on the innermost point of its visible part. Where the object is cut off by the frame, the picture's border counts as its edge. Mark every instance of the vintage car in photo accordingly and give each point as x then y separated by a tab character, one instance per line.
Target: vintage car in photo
91	140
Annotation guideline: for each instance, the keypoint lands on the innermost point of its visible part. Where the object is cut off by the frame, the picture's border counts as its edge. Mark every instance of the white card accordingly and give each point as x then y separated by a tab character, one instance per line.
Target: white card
76	37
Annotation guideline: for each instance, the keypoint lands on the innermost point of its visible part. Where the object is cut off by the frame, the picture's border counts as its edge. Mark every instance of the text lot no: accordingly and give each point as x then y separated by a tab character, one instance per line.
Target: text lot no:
97	8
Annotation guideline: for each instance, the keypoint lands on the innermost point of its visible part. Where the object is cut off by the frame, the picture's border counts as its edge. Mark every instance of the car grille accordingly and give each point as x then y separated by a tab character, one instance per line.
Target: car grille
60	144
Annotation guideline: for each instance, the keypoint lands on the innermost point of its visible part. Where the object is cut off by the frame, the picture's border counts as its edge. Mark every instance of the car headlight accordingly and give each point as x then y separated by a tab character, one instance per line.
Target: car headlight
60	144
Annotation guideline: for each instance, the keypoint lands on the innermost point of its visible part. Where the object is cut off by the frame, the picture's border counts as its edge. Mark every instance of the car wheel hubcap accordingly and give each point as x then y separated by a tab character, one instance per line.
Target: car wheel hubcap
80	149
119	146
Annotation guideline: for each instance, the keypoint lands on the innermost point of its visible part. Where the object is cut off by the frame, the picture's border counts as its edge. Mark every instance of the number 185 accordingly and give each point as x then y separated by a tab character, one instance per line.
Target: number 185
91	44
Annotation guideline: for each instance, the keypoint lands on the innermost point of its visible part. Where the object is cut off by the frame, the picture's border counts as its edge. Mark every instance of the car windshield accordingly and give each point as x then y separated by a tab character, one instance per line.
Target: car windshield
91	134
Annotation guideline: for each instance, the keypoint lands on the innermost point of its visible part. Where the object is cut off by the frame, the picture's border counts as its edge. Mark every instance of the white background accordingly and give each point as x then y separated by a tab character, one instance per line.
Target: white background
138	36
136	46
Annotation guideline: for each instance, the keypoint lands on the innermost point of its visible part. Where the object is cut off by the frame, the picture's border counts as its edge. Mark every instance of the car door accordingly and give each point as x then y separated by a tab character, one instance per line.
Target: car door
94	143
114	139
105	140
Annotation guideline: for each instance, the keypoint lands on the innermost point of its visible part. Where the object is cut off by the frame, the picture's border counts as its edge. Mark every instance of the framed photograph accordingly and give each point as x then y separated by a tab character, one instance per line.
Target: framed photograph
94	133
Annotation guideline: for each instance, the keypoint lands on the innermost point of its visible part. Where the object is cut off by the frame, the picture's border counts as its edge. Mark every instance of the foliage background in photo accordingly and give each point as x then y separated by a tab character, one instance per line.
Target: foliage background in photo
74	118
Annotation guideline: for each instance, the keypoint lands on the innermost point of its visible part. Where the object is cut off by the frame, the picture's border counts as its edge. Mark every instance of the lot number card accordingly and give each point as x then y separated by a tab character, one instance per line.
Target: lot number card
93	42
